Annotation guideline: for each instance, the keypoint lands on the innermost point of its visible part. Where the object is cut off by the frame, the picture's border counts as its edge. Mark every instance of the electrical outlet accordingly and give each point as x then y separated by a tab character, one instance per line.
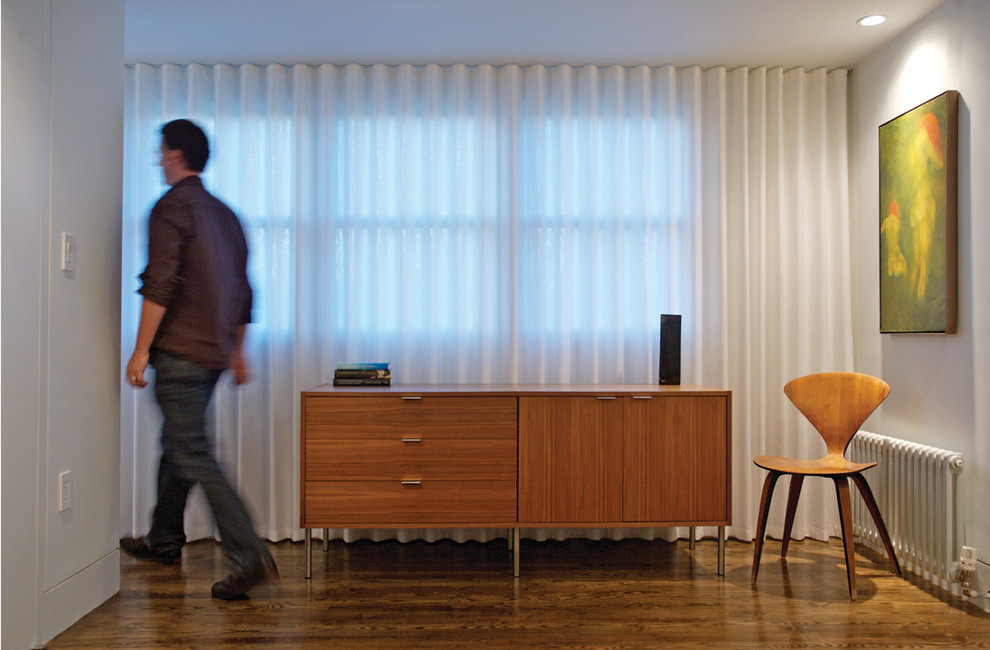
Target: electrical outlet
64	491
967	559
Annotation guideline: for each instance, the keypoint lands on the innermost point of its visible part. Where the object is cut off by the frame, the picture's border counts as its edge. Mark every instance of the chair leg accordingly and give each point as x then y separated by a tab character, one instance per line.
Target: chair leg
793	494
761	524
845	518
871	504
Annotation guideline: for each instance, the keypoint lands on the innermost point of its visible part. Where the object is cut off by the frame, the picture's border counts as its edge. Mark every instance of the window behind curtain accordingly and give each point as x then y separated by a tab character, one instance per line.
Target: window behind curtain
414	219
465	224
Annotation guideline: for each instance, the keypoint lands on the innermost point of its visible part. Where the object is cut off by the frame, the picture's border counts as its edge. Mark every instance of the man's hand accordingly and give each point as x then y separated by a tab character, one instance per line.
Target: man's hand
135	369
238	360
151	317
239	366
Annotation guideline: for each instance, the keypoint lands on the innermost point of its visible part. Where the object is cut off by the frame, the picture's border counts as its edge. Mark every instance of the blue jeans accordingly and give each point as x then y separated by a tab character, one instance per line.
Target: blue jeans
183	390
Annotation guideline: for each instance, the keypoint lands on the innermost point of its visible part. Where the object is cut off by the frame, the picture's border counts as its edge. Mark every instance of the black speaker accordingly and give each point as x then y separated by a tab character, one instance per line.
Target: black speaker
670	349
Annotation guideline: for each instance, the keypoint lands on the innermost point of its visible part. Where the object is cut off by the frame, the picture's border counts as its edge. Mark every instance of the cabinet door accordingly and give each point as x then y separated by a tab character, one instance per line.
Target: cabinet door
570	459
675	465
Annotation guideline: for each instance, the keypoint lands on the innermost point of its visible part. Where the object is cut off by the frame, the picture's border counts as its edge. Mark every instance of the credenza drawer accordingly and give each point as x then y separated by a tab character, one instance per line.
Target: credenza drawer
422	416
331	459
342	503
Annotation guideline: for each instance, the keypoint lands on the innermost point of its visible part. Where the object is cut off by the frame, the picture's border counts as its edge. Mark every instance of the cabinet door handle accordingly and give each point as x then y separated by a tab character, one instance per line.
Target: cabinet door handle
412	397
642	396
411	482
606	397
412	440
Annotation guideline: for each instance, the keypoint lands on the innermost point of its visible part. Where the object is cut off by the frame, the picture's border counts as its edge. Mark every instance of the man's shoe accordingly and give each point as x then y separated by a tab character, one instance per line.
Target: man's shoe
138	547
236	585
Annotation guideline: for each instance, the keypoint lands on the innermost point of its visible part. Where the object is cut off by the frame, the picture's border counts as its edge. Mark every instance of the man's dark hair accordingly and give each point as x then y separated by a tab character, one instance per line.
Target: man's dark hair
190	140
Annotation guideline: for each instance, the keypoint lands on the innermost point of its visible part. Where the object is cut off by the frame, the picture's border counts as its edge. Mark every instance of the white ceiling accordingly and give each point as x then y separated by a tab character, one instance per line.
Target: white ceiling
788	33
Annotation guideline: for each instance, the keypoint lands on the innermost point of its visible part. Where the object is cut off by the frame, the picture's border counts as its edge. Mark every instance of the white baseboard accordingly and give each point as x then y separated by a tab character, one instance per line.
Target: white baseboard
69	601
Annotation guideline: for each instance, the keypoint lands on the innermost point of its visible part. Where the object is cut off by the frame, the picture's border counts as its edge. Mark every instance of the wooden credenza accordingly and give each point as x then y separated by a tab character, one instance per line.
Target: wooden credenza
515	456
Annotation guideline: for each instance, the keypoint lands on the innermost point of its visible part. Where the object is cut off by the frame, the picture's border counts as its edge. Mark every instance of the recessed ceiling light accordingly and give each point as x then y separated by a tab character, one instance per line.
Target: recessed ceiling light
872	20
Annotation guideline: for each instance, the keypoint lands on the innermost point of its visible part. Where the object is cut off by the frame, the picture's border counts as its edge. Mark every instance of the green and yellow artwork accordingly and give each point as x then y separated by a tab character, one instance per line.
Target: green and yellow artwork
918	218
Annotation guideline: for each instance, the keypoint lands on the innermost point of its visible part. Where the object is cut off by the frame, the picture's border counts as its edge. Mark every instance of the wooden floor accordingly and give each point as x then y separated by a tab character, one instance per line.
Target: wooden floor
577	593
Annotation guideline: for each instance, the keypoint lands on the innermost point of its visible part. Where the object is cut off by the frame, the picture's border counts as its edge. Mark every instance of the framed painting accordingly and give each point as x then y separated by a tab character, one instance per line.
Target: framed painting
918	178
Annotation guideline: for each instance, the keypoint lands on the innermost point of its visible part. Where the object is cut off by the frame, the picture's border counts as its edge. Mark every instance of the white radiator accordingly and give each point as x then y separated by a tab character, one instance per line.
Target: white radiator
915	489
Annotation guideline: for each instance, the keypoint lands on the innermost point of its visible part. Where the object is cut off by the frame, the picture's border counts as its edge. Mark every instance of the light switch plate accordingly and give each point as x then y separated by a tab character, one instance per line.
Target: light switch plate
64	491
68	251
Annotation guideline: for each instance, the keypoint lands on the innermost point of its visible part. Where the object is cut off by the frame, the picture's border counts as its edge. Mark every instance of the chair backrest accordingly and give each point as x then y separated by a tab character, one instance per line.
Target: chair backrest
837	403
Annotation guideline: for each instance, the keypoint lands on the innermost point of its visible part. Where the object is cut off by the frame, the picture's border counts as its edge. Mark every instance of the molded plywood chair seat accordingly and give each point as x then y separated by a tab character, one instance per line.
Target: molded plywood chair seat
836	403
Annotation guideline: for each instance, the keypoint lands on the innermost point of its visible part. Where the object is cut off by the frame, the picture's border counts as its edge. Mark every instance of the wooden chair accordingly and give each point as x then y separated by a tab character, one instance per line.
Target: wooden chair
836	403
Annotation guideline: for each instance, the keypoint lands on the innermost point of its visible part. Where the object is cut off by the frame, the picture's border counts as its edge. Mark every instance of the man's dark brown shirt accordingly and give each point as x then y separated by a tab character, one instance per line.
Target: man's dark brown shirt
197	270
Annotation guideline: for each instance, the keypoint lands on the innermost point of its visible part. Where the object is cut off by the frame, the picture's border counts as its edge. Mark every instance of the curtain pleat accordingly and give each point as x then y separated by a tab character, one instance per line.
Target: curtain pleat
511	224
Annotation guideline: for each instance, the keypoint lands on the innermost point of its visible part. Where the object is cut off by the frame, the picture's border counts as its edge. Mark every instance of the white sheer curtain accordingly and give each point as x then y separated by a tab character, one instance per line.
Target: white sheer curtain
507	224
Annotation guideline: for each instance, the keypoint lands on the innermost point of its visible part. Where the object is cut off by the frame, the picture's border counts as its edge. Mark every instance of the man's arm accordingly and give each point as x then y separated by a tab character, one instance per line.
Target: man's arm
151	317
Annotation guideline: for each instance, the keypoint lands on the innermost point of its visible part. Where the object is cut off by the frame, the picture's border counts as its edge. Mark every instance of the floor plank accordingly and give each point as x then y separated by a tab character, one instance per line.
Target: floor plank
577	593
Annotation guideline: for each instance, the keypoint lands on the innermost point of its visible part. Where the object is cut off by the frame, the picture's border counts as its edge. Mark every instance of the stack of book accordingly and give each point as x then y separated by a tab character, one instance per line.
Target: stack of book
362	374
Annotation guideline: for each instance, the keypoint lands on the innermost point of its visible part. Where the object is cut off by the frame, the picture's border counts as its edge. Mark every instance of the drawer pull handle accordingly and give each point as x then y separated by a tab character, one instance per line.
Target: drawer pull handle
412	397
412	482
606	397
412	440
642	396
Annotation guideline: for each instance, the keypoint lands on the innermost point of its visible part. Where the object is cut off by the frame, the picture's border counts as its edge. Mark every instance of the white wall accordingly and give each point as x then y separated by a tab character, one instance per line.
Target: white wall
940	385
62	140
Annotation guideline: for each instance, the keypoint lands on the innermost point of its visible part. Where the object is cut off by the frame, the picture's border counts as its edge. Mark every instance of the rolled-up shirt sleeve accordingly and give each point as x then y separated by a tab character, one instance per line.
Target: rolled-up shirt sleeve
161	278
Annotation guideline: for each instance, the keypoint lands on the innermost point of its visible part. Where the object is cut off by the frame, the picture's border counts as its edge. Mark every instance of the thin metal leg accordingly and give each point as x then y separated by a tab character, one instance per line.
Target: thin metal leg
309	557
691	537
721	550
515	552
326	540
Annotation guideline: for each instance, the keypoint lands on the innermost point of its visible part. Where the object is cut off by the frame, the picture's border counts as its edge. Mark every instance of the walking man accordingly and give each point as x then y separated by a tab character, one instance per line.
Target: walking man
196	306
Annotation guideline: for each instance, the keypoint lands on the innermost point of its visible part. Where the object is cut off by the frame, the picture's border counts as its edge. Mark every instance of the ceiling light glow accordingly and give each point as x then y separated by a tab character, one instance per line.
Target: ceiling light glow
872	20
